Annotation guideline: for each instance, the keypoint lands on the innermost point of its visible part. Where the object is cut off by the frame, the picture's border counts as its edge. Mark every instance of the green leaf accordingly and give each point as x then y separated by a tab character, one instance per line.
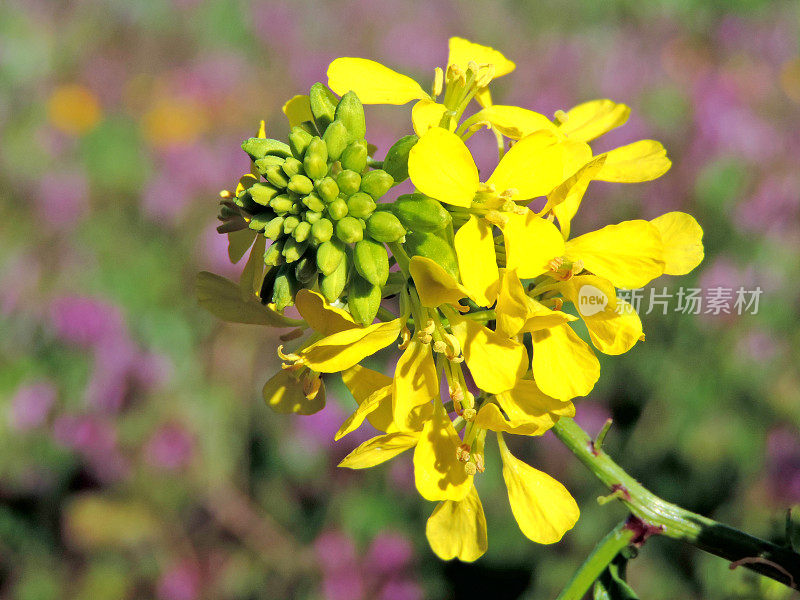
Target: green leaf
223	299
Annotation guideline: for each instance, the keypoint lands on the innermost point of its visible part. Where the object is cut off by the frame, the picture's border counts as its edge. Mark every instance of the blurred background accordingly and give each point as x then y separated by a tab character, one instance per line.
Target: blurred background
137	459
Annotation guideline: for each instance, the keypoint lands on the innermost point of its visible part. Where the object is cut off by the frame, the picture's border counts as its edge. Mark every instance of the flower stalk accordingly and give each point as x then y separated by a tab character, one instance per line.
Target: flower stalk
661	517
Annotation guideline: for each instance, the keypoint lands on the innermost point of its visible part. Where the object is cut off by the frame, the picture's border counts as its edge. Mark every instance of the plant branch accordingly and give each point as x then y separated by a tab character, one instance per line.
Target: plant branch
604	552
661	517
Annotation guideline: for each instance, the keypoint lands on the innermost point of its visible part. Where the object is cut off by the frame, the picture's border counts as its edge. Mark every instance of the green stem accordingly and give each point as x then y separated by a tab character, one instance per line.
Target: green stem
401	257
661	517
594	565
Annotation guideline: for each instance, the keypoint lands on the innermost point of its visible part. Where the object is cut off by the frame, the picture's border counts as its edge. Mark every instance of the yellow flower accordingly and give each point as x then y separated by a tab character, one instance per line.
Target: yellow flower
470	68
73	109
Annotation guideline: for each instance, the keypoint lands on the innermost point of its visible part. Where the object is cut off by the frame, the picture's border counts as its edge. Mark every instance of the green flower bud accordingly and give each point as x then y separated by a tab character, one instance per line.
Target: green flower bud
261	193
371	260
301	185
289	224
260	147
268	285
383	226
312	216
274	228
297	208
327	189
337	209
333	285
354	156
292	166
299	139
302	231
314	202
281	204
435	245
293	250
330	254
306	270
349	230
348	181
284	288
322	230
360	205
376	183
262	164
275	175
323	105
396	161
259	221
315	161
418	212
363	300
350	112
273	255
336	139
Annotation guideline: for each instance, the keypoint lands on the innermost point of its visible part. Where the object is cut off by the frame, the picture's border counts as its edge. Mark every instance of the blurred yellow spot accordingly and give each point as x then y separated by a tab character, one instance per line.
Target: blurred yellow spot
790	78
174	121
73	109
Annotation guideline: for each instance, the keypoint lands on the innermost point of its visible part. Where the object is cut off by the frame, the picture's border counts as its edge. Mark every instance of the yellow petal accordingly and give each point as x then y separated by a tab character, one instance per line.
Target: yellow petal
566	199
533	166
477	263
463	51
441	166
484	97
426	114
415	382
458	529
592	119
541	317
374	83
344	349
531	243
246	181
284	394
512	304
435	285
489	417
514	122
589	293
495	361
367	407
298	110
438	473
543	508
223	299
526	402
629	254
363	383
379	449
615	330
321	316
564	366
640	161
682	237
239	242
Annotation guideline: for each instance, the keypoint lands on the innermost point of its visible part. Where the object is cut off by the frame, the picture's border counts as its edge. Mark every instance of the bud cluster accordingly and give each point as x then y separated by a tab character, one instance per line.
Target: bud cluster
318	203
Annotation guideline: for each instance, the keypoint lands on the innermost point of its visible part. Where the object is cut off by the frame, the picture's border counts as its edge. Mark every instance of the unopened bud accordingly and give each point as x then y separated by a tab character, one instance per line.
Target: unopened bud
349	230
301	185
348	182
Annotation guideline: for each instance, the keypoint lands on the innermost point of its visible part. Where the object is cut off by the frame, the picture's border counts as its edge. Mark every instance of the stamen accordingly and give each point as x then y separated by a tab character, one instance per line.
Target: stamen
438	81
470	468
496	218
561	117
440	347
463	452
469	414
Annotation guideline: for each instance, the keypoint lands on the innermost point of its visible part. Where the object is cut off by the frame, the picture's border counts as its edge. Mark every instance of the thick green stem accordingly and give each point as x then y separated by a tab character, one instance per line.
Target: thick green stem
594	565
661	517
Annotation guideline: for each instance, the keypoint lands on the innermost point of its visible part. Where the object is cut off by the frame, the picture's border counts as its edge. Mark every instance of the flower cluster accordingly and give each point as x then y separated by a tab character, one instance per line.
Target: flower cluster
488	288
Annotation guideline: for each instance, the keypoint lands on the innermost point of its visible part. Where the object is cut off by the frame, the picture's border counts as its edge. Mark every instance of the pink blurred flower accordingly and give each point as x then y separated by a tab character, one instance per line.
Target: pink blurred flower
31	405
170	448
18	281
181	582
335	551
62	199
95	439
783	465
389	554
86	322
401	589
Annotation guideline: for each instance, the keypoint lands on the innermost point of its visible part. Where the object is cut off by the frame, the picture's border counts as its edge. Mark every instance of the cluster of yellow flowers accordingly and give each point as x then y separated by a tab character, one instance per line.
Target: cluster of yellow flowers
494	314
